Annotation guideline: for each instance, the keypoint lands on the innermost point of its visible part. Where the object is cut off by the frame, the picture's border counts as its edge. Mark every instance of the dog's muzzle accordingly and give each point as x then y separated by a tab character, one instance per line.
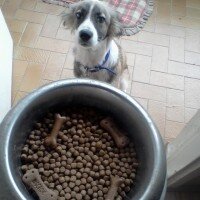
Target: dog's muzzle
85	35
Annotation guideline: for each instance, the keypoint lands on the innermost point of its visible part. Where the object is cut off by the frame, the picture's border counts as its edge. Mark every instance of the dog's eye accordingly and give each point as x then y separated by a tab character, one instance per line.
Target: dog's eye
101	19
78	15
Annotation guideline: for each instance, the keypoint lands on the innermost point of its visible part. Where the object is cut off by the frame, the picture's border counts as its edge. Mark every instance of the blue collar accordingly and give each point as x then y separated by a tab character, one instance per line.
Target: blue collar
100	67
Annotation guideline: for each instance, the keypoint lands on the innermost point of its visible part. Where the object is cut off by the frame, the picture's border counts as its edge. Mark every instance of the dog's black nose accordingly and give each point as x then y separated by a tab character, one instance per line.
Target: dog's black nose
85	35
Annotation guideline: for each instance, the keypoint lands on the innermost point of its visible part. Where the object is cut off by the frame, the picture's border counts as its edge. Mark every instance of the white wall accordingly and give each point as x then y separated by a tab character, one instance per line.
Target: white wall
6	51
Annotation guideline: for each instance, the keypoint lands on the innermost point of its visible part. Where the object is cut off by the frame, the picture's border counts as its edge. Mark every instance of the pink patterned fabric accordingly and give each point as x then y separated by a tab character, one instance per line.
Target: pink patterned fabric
133	14
129	11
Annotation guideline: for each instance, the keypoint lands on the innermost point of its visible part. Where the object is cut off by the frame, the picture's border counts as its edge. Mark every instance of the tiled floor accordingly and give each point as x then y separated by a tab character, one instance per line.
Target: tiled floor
164	58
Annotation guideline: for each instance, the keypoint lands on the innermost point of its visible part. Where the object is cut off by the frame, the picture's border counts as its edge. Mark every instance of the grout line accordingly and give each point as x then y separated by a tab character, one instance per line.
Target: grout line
64	63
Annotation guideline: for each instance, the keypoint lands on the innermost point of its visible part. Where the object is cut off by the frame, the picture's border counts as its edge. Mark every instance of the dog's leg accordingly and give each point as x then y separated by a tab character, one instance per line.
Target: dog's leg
124	81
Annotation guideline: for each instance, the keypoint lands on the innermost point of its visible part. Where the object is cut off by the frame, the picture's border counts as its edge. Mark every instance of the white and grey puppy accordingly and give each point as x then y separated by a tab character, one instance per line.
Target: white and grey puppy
97	55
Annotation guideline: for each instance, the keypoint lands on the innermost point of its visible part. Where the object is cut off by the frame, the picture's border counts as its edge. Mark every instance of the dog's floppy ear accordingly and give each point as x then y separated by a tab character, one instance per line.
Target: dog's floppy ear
68	16
115	28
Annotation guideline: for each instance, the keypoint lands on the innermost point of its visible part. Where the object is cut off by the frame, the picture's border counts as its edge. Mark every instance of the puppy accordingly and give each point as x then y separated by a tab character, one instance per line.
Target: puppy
97	55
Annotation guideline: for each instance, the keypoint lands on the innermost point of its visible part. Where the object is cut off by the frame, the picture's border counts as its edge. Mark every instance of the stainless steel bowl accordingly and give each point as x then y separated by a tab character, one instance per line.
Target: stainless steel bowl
15	126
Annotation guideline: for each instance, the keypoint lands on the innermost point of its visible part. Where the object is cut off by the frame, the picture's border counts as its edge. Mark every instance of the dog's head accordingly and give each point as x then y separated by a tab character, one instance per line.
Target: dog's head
93	21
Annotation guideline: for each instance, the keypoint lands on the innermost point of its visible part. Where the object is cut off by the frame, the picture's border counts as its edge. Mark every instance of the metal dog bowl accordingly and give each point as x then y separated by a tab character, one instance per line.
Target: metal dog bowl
151	174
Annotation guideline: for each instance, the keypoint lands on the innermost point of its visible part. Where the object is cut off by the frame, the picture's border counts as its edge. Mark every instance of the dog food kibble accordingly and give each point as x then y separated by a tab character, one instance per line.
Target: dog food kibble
80	154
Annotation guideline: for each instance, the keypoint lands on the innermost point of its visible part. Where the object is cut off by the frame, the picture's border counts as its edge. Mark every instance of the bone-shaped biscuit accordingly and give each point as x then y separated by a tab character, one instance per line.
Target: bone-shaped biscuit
51	139
120	139
32	178
115	183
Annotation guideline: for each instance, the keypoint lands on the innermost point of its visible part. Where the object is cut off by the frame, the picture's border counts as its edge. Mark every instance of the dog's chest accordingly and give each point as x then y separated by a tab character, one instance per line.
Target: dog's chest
91	59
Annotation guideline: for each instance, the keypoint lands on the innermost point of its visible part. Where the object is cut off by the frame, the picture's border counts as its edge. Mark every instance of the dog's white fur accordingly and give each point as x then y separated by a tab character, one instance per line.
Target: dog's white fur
95	54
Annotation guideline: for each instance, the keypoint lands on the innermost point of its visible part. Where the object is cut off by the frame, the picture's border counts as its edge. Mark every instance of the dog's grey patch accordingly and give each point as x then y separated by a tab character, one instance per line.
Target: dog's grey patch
101	20
83	11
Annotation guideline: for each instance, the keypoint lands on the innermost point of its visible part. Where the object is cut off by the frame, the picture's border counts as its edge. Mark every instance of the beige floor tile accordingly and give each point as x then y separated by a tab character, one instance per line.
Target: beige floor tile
176	49
30	16
130	70
16	82
142	102
157	111
193	3
69	63
175	113
192	40
189	113
65	34
179	7
163	13
16	25
1	2
167	80
16	37
137	47
192	58
31	55
193	12
10	7
51	26
53	45
148	91
54	66
67	73
160	58
28	4
150	27
142	69
48	8
173	129
32	77
19	67
130	59
187	22
154	38
175	97
184	69
192	94
167	29
45	82
30	35
19	96
13	95
132	37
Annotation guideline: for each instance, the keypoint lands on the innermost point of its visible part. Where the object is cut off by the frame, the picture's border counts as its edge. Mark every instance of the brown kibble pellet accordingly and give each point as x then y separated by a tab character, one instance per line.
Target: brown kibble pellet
24	168
51	185
68	196
78	196
71	184
83	181
105	190
61	180
67	172
73	172
59	187
90	191
46	166
100	193
52	160
76	189
62	169
55	176
73	194
67	190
